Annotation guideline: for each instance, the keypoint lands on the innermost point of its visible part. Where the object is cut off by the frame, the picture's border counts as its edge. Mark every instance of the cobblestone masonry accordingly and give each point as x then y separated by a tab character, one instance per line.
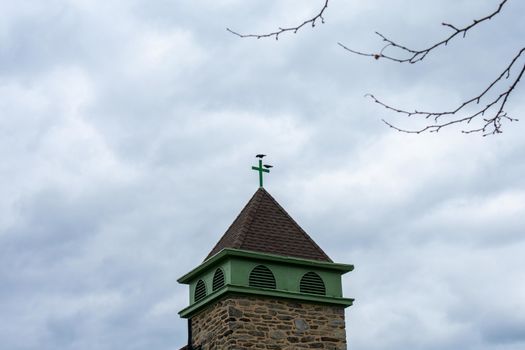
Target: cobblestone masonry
242	322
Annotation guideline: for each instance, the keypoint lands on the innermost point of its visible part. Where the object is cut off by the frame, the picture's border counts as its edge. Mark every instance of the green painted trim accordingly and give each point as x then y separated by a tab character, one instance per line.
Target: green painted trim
228	252
192	309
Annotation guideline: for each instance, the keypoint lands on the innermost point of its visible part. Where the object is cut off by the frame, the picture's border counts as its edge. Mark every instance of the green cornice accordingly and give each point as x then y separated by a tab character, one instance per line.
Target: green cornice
192	309
223	254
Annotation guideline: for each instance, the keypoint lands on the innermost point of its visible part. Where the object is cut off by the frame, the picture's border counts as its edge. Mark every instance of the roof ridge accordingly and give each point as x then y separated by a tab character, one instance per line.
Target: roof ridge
241	221
307	236
248	220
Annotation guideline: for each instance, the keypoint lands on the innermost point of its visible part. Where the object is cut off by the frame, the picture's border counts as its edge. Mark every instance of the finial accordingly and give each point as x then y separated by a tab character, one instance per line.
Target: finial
262	168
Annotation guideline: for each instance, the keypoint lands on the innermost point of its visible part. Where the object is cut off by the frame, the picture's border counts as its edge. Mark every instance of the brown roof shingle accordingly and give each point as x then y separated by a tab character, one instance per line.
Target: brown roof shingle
264	226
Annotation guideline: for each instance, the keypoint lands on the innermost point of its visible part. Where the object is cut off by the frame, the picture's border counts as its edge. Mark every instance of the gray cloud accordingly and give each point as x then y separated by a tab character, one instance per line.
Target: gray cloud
128	130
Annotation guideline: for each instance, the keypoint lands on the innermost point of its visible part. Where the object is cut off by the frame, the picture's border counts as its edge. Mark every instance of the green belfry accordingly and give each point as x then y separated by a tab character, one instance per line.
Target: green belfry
266	284
260	169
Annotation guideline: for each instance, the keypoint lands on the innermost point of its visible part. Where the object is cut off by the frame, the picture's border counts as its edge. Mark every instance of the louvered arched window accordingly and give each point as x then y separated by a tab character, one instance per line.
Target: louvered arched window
312	283
218	280
200	291
262	277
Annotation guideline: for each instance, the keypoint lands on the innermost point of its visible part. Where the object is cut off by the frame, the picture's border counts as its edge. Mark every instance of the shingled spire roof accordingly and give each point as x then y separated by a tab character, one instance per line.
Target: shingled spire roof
264	226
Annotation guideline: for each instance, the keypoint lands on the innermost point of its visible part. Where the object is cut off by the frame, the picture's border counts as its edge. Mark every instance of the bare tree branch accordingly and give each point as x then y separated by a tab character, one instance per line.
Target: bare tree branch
489	126
415	56
276	33
403	54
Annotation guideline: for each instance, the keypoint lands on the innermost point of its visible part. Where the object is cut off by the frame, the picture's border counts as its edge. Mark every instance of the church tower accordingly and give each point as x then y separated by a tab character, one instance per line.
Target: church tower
266	285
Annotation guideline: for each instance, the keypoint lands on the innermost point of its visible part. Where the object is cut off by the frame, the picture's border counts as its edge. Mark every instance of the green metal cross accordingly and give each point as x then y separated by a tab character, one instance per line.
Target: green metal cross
261	170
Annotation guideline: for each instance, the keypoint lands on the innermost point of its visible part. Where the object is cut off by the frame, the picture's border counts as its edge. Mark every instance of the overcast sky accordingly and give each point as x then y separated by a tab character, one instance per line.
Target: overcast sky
127	133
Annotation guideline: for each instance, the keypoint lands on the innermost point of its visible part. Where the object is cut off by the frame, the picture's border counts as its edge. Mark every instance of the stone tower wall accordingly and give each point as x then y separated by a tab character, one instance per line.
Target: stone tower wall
242	322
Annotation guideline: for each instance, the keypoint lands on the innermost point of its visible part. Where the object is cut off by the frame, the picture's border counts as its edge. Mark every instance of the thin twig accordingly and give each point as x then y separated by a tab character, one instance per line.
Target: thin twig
490	125
276	33
415	56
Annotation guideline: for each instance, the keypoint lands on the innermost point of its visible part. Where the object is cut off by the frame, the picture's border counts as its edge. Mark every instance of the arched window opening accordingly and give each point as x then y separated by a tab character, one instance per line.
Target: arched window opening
218	280
312	283
200	291
262	277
